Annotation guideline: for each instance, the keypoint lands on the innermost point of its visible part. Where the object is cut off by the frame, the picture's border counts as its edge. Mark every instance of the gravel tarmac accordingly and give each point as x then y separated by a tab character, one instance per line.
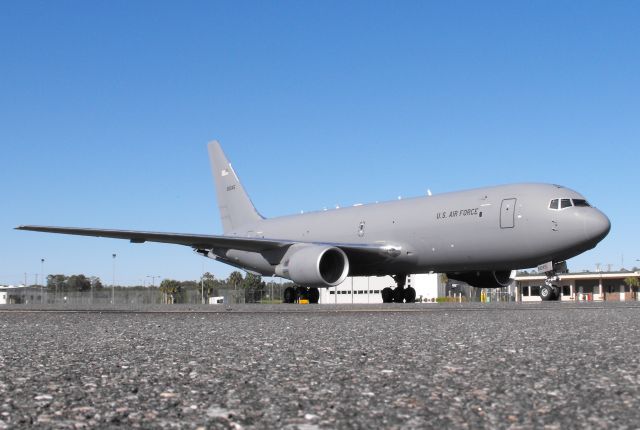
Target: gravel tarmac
515	366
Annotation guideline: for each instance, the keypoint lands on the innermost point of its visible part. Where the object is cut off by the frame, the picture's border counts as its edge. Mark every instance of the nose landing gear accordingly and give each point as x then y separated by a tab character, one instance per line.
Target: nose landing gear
550	291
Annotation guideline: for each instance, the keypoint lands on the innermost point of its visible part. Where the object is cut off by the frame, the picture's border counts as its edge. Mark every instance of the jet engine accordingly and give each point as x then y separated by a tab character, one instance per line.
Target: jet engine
314	265
485	279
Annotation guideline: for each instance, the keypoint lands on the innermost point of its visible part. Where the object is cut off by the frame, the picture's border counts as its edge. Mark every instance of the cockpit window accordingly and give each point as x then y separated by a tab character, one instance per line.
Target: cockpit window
581	203
559	204
565	203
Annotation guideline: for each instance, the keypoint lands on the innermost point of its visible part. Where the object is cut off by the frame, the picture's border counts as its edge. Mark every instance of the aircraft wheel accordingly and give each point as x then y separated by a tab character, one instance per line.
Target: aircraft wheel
387	295
556	293
314	295
546	293
398	295
303	293
289	295
409	295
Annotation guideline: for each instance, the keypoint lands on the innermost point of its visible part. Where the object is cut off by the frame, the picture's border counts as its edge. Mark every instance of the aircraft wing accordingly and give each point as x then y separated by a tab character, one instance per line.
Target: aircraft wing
201	241
192	240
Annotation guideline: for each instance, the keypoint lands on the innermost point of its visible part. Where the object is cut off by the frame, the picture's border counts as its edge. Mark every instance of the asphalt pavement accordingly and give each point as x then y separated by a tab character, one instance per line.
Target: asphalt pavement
551	366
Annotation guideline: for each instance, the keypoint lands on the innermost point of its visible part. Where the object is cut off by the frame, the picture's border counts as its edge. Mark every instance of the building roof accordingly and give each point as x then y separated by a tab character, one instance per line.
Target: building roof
11	287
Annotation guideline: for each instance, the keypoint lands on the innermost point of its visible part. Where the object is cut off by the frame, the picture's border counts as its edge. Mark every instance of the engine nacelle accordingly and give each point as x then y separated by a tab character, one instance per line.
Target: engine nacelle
485	279
314	265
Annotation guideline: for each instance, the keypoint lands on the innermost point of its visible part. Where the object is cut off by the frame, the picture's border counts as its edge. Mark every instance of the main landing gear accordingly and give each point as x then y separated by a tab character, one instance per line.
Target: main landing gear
295	294
399	294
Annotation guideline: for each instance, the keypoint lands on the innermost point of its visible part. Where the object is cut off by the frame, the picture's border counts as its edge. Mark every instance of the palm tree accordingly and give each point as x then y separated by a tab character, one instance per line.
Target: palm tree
208	282
170	290
633	282
235	278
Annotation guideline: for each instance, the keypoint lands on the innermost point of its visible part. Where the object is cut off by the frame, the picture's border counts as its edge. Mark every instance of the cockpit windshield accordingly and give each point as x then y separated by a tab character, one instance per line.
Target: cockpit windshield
581	203
559	204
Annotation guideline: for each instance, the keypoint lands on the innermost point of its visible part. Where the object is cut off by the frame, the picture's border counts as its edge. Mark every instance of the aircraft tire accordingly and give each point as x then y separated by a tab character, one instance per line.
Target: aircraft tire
546	293
409	295
398	295
556	293
314	295
289	295
387	295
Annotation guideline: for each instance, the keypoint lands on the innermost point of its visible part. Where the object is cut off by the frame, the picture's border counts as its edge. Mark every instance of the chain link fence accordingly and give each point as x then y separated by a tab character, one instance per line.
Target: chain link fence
140	297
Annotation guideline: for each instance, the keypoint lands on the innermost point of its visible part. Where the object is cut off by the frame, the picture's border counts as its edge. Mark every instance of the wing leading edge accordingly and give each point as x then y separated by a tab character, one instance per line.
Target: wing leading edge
201	241
192	240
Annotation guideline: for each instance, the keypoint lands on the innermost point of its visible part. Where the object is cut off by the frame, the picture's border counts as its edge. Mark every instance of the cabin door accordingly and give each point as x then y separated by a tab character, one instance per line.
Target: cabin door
508	213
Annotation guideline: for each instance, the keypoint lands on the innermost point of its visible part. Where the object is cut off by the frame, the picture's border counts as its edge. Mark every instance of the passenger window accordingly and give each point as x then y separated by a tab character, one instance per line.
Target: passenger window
565	203
553	204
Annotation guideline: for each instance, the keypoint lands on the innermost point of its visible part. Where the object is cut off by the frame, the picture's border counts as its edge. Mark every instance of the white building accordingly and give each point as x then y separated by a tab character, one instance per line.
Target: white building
599	286
366	289
216	300
18	294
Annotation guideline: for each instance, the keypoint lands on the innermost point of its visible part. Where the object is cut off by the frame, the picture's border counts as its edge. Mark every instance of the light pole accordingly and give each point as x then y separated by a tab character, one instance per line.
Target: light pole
153	282
42	277
113	282
153	279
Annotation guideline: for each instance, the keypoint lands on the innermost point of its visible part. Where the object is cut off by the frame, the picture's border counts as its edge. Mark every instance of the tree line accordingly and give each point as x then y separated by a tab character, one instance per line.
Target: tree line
73	283
249	288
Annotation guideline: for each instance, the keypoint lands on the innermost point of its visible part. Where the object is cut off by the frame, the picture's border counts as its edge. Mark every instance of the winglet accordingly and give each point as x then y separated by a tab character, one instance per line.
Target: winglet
236	209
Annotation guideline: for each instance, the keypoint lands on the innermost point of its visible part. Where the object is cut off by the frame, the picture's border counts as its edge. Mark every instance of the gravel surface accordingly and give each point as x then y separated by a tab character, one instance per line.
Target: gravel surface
550	366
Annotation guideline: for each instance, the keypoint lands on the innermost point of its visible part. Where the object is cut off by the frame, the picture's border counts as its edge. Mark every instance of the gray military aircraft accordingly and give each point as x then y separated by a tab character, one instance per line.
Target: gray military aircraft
477	236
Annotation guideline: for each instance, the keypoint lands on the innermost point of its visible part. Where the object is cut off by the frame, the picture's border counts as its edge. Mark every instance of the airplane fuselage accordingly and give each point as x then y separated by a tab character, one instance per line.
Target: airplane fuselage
493	228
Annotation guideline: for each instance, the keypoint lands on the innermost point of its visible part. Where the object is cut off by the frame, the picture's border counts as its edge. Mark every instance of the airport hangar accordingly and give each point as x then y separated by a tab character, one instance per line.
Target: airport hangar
367	289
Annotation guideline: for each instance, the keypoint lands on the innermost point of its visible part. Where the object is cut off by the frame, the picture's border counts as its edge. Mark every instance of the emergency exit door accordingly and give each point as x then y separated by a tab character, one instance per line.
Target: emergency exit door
508	213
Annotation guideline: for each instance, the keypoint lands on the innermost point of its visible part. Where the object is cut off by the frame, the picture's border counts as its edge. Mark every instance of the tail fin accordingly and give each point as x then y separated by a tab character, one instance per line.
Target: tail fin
235	206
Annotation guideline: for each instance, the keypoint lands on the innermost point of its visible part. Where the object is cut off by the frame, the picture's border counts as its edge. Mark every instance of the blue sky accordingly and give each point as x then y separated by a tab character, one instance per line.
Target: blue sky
106	108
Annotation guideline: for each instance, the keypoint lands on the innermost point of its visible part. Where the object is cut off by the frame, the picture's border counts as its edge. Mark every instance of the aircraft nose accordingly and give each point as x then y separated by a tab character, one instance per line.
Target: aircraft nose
597	225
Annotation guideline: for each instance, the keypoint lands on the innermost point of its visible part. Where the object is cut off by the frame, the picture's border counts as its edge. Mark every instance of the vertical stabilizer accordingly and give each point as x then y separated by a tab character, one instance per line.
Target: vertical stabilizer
235	206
